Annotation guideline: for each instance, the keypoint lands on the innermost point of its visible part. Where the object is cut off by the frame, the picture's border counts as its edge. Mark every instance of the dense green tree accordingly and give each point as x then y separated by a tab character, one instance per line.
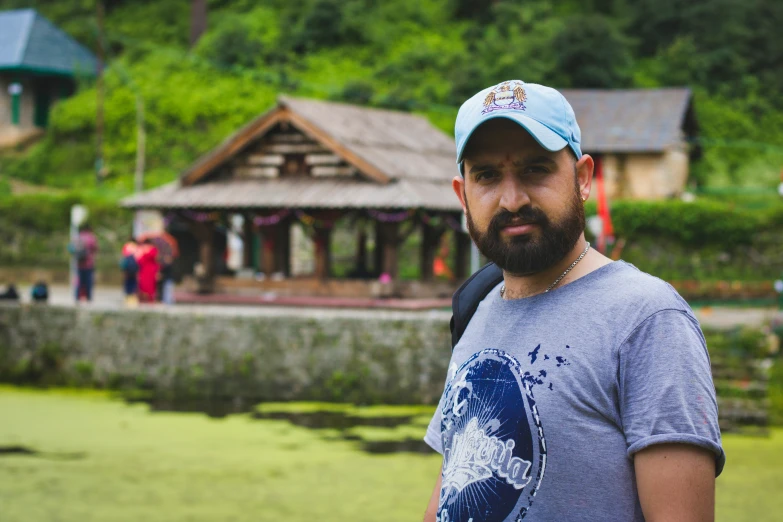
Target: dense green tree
233	43
359	92
592	52
422	55
476	10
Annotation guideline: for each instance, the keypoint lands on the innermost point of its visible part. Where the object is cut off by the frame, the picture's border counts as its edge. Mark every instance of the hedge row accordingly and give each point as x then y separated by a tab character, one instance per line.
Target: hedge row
34	229
698	223
50	213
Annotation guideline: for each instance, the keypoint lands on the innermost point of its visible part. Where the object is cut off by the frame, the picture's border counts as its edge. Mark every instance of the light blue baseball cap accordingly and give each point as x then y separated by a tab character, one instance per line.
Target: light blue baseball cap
540	110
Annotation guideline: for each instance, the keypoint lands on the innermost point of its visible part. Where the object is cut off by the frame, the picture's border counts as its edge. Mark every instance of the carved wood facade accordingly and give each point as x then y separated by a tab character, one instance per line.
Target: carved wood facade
287	152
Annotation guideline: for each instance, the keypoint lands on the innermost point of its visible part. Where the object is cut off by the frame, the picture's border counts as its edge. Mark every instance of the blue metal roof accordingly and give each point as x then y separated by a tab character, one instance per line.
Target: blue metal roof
29	42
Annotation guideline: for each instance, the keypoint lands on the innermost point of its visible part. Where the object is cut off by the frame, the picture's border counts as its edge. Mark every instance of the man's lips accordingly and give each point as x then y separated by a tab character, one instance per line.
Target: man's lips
519	229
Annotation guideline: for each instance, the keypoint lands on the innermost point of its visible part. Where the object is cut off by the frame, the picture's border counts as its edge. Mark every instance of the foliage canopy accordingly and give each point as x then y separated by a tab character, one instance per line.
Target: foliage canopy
421	55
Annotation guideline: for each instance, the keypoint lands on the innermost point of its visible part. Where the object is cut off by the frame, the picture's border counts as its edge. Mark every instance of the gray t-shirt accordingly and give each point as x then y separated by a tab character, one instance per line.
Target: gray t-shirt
547	399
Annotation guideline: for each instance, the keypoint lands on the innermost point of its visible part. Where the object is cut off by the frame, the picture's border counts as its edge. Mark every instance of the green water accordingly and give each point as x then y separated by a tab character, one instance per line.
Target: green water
92	458
103	460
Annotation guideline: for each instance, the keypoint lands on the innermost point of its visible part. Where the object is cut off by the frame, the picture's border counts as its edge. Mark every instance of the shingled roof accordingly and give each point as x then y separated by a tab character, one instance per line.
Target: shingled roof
29	42
402	159
632	120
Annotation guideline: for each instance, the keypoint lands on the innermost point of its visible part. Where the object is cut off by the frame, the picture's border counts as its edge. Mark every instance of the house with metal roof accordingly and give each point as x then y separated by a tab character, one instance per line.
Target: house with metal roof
39	64
642	139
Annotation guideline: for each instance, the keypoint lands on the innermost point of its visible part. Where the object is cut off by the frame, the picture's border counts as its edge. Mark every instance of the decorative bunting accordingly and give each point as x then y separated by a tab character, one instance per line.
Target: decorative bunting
438	220
391	217
274	219
310	221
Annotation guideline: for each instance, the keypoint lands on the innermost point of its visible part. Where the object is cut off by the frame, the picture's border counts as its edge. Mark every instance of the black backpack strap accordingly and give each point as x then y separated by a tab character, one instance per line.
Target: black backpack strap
468	296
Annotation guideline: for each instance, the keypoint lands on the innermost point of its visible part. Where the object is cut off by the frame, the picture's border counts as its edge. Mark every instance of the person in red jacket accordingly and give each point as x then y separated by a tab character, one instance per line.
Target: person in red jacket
147	260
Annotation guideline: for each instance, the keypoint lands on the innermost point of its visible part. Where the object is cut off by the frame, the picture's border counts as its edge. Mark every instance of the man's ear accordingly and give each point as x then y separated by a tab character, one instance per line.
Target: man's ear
458	184
584	174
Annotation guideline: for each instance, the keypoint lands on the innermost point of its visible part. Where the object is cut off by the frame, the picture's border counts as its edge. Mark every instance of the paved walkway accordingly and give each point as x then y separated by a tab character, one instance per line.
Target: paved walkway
111	298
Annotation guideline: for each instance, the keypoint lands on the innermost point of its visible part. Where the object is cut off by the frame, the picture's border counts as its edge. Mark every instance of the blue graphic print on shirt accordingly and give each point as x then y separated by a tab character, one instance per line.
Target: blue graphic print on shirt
495	451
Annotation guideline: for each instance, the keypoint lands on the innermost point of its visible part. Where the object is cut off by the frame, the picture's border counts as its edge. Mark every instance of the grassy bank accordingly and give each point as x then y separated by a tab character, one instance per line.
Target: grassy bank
98	459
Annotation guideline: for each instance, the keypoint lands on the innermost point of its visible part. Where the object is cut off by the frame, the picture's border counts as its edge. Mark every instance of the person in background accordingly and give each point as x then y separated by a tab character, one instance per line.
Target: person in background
84	249
10	293
147	259
167	280
39	293
130	271
440	267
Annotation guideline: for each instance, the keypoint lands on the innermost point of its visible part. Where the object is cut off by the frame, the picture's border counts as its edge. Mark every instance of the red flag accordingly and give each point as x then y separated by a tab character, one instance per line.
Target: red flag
607	232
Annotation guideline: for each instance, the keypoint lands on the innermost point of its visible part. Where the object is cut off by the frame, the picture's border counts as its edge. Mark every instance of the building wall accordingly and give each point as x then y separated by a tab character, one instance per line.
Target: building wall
613	171
27	103
5	103
12	134
297	354
645	176
26	129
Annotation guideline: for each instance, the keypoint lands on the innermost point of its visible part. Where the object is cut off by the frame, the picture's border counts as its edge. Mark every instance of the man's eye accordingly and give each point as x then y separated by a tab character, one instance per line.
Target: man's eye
536	169
484	176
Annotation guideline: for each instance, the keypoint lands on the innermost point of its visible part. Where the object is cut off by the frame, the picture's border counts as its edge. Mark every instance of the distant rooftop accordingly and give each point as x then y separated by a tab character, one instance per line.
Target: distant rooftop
29	42
632	120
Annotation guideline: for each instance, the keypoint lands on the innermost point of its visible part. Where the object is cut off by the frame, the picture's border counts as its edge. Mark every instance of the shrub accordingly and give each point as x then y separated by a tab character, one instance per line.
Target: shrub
699	223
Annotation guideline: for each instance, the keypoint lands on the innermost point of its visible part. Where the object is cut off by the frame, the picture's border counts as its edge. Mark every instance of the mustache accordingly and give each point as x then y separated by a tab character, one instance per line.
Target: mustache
523	216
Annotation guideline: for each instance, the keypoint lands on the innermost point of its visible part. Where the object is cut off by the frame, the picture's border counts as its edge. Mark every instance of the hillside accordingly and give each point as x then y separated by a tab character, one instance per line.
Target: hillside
420	55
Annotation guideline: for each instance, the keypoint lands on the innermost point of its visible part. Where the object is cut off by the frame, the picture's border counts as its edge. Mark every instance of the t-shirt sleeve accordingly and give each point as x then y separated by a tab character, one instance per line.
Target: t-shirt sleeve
433	436
666	392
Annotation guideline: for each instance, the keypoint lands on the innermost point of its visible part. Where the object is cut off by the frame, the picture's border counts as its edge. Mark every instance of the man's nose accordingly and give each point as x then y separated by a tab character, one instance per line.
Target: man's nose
513	194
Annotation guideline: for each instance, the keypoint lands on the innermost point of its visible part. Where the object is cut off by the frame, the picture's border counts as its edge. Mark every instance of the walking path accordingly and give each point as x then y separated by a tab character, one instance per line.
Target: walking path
111	298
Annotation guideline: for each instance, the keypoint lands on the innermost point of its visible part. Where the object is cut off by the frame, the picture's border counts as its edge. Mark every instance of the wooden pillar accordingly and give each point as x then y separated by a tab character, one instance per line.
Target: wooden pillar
268	251
430	240
323	253
390	234
282	253
205	234
360	270
248	231
377	265
462	244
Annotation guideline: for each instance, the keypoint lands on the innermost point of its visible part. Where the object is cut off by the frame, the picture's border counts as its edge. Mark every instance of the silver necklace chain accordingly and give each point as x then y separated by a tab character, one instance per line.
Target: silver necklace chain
554	284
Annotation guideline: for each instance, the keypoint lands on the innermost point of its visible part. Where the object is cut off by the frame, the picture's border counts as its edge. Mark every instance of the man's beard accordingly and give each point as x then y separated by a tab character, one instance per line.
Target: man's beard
527	254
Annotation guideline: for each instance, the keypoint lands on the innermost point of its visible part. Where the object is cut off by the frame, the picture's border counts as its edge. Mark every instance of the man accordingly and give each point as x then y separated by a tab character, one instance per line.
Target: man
581	388
84	249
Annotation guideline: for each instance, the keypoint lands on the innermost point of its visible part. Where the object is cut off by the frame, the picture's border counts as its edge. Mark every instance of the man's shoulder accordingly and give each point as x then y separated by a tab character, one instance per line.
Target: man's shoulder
633	290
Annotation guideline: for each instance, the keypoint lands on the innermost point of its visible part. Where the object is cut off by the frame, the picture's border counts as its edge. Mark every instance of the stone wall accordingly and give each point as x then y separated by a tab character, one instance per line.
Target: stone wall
278	354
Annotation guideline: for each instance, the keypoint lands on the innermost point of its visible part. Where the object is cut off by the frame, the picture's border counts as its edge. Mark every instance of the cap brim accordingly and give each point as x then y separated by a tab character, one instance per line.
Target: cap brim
545	136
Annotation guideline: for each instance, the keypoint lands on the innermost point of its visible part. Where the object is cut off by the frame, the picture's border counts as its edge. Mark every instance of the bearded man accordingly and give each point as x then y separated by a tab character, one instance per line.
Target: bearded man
581	388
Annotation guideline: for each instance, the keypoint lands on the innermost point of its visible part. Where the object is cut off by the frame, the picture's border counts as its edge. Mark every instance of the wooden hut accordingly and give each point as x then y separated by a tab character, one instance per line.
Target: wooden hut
317	162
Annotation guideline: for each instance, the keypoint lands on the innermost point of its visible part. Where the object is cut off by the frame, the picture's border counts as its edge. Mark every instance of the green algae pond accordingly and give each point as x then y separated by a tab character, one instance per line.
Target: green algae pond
84	456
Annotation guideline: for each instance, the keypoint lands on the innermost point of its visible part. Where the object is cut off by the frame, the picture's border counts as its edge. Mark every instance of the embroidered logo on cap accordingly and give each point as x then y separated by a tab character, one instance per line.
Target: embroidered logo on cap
507	95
